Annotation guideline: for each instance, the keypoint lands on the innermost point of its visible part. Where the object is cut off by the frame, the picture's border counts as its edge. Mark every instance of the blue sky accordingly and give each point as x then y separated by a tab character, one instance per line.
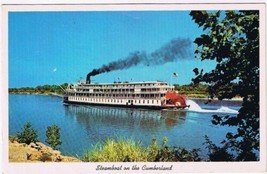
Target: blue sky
59	47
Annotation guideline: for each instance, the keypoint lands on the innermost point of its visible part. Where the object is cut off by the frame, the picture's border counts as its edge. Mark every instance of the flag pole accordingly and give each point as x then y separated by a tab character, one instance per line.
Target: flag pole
175	75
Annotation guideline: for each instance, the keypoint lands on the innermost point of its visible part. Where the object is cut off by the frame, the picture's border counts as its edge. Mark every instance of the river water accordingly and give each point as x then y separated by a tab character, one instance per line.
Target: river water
82	127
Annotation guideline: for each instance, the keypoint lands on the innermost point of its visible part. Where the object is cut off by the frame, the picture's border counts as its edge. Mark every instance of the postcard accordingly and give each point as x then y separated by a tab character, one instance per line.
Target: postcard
133	87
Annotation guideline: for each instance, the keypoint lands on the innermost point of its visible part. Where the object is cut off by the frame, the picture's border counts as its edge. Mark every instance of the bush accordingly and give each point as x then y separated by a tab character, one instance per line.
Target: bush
183	154
130	151
28	134
53	136
116	151
172	154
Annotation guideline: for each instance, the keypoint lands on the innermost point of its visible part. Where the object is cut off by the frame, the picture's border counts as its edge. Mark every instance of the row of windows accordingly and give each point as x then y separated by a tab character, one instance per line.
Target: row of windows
125	90
114	100
129	85
113	90
117	95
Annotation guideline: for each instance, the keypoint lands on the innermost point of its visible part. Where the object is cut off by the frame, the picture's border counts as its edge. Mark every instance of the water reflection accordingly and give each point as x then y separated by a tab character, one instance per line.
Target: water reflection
173	118
144	120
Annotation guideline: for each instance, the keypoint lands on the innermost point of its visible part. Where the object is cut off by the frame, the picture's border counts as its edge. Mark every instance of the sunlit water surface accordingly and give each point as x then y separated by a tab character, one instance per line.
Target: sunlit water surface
82	127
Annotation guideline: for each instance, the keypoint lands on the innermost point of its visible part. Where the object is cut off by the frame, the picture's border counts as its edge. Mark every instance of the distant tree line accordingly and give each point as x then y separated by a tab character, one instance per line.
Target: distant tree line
193	90
45	89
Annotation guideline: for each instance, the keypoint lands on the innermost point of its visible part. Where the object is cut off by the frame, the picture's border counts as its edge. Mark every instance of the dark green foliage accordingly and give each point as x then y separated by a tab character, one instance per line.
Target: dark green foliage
28	134
218	153
168	154
163	153
231	38
53	136
183	154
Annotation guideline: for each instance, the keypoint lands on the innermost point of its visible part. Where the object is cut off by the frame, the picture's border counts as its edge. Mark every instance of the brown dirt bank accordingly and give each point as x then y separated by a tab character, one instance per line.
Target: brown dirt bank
36	152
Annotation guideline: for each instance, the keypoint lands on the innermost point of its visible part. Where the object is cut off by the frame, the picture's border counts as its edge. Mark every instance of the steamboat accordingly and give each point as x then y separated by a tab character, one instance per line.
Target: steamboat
147	94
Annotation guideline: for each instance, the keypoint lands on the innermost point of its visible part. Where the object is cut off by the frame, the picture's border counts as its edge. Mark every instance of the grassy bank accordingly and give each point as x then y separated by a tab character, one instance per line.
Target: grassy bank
131	151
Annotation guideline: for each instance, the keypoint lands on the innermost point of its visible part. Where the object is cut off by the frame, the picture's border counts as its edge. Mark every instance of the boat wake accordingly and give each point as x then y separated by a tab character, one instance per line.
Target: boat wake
194	107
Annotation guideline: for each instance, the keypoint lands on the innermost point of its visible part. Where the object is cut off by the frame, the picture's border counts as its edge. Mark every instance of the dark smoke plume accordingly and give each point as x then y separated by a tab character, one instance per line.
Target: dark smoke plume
174	50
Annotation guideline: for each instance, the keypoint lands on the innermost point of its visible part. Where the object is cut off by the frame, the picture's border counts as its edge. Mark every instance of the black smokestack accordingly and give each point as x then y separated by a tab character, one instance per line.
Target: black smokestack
174	50
88	79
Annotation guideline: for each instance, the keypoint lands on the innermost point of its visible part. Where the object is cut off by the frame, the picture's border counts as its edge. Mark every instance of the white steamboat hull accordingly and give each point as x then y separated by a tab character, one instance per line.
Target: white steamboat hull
133	103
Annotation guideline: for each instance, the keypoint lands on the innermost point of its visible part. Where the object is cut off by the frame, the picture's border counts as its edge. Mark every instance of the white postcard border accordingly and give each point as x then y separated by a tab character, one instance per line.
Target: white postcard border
184	167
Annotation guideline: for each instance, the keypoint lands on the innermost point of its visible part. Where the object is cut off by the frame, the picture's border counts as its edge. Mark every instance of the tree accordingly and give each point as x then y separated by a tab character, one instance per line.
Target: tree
53	136
231	38
28	134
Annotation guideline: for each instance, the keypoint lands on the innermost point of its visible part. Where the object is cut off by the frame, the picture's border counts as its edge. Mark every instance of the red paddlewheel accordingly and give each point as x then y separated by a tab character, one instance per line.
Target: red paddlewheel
174	98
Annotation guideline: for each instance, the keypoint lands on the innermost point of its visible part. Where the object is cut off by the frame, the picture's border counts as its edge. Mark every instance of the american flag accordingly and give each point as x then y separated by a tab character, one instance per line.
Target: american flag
175	74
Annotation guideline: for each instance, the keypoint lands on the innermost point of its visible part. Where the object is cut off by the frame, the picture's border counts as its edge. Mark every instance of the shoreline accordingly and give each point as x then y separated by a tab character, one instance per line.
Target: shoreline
44	94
